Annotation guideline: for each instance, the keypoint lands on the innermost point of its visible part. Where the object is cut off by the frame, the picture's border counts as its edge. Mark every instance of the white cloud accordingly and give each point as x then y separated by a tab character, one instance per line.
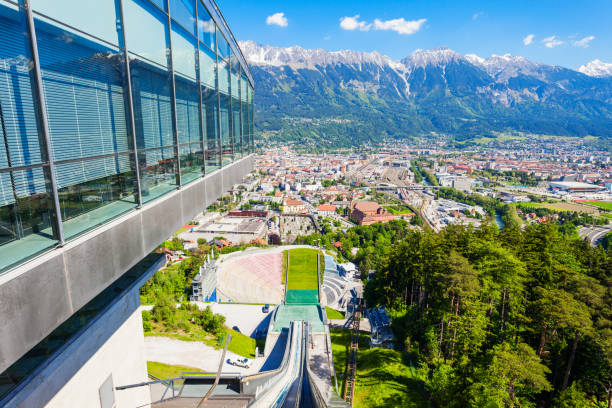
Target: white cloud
476	15
529	39
353	23
278	19
552	41
400	25
584	43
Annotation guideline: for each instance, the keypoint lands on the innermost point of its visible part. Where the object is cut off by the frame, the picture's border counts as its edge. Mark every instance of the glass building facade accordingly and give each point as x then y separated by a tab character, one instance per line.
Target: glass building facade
100	115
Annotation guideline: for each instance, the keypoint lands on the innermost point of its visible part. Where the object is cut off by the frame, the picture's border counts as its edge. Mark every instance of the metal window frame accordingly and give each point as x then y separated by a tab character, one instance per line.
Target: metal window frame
132	121
177	160
219	137
199	81
41	113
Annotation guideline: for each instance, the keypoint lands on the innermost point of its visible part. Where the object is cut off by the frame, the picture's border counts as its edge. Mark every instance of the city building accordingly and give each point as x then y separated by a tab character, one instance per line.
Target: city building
236	230
575	187
291	206
369	212
326	209
121	121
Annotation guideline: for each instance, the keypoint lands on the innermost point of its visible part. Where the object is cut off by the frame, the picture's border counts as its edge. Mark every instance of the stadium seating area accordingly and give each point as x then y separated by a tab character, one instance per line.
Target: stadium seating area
334	286
252	279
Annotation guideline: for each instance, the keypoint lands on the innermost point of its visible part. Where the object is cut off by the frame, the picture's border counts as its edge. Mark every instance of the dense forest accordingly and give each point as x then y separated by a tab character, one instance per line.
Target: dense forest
516	318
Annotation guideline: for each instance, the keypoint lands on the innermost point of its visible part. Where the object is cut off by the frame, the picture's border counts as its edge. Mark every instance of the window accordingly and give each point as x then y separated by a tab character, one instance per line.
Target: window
210	115
83	85
183	12
222	46
97	18
146	31
208	67
206	27
26	210
157	172
152	107
187	111
184	49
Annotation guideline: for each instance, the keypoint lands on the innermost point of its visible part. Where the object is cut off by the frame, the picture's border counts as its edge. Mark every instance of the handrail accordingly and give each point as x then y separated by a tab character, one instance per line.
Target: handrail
270	375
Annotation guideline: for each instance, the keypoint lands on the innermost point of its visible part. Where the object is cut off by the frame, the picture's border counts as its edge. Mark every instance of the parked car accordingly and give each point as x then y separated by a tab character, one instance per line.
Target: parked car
239	362
266	308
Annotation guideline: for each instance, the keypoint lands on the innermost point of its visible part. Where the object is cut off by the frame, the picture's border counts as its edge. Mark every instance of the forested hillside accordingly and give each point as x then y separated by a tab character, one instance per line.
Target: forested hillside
511	318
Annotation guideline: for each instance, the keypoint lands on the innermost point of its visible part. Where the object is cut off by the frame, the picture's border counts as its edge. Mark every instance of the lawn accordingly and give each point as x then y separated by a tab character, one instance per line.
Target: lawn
560	207
240	344
166	371
384	377
302	269
606	205
333	313
398	209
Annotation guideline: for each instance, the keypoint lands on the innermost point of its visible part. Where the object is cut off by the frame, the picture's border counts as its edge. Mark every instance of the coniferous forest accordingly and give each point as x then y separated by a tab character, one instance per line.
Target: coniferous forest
510	318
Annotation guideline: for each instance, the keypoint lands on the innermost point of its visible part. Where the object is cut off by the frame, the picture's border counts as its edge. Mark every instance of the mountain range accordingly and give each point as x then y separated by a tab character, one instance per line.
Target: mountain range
350	98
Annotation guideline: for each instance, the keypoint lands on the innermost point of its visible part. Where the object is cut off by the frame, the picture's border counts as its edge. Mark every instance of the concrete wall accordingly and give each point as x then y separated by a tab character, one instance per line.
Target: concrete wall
39	295
112	345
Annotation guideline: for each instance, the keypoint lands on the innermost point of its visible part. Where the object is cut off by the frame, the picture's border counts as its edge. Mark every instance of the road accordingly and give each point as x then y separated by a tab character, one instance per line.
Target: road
595	233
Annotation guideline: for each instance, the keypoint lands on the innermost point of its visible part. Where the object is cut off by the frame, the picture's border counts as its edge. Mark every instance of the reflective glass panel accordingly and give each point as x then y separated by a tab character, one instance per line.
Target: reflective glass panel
226	135
222	45
206	27
191	162
243	87
83	83
183	11
210	120
224	77
94	191
245	128
187	110
20	144
161	4
208	64
152	107
236	126
98	18
251	123
157	172
26	214
145	30
184	49
235	76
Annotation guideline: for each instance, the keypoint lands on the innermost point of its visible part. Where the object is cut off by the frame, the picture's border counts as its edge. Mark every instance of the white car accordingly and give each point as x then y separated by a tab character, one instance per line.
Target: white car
239	362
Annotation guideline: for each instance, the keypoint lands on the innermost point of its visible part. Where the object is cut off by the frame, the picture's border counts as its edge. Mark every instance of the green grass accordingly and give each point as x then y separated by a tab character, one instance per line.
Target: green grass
384	377
333	314
241	344
398	209
302	269
166	371
606	205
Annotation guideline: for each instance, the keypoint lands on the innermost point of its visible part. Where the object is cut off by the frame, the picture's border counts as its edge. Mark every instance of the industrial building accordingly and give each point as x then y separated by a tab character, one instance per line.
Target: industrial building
575	187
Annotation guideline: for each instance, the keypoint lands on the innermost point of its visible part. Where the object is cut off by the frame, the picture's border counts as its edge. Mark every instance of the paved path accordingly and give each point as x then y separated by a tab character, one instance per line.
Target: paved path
193	354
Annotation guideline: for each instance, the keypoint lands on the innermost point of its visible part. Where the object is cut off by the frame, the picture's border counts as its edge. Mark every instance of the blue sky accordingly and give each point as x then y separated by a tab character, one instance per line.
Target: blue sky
564	32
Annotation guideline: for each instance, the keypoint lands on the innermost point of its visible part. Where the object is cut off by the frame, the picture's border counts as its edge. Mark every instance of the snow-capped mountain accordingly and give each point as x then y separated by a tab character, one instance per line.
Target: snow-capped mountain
596	68
437	90
440	56
298	57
